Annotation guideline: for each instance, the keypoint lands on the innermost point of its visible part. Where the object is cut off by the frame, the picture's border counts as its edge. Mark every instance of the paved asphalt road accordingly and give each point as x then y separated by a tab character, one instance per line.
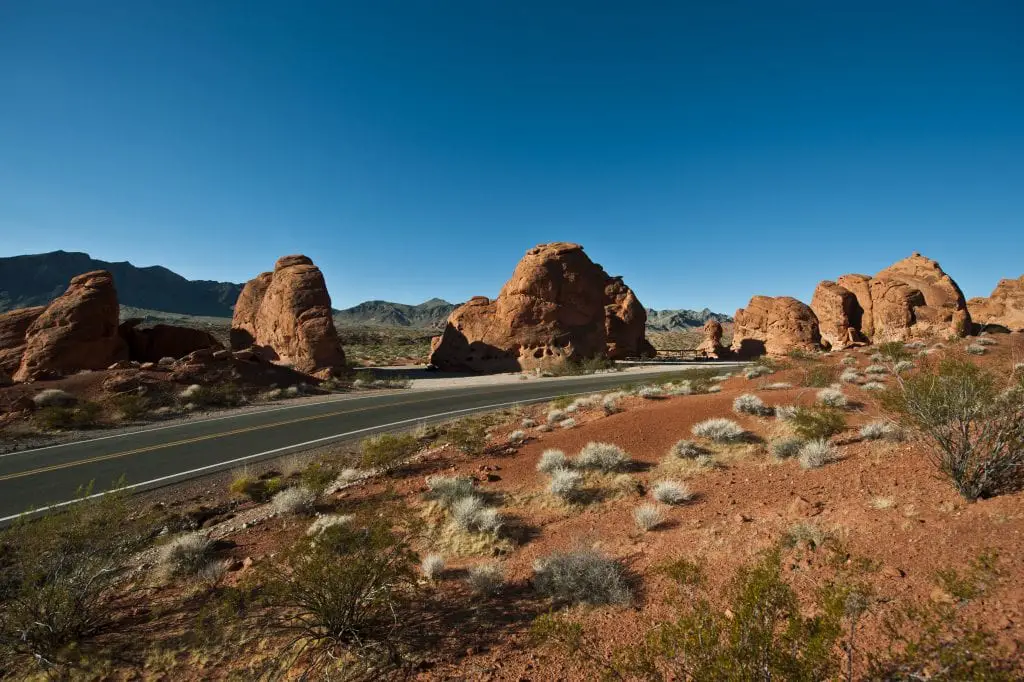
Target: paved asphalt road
161	455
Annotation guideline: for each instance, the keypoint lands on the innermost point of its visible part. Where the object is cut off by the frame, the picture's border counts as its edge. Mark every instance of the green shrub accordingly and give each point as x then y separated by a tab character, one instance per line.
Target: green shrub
387	450
895	351
131	406
55	576
317	477
213	395
256	489
343	600
468	435
816	423
83	415
820	376
761	635
975	430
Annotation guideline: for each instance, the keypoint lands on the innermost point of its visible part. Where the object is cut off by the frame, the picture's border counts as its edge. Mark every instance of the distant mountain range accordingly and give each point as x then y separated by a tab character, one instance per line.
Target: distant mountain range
676	320
38	279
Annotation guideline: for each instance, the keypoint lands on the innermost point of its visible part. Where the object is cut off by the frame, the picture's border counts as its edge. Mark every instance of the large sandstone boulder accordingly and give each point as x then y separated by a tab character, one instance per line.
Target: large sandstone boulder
285	315
13	327
558	306
915	298
776	326
839	315
77	331
164	340
711	345
1003	309
860	287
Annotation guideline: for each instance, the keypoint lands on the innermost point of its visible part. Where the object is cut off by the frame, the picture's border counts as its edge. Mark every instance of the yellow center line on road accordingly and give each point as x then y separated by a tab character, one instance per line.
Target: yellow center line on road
116	455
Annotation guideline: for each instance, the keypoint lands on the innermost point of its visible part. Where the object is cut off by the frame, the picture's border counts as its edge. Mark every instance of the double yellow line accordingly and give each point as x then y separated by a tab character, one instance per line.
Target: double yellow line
161	446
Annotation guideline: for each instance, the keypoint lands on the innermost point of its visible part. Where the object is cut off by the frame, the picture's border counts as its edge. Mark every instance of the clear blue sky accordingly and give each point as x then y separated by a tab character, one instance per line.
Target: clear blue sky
704	150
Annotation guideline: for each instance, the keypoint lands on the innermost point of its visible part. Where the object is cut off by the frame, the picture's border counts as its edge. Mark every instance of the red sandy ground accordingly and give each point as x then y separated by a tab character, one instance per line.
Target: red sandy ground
741	508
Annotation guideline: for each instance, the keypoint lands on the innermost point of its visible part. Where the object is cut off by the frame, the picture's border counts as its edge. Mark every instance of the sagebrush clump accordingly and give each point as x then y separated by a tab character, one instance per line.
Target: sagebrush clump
671	492
816	453
750	404
719	430
583	576
605	457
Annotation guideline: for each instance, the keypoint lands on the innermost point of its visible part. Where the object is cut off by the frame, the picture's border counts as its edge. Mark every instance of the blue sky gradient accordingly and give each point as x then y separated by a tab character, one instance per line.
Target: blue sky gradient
706	151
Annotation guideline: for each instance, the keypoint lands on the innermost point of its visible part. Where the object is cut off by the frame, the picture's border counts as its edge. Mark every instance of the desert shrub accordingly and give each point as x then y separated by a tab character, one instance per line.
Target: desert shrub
566	484
567	423
985	341
317	478
610	403
432	566
246	484
808	535
683	387
777	386
297	500
719	430
485	580
528	423
749	403
876	369
53	397
785	412
671	492
849	360
602	456
784	448
447	489
56	573
881	430
556	415
647	517
874	386
468	435
687	449
215	395
517	437
975	349
813	423
851	376
322	523
551	460
471	515
131	406
975	431
820	376
186	555
757	371
761	634
583	576
832	397
816	453
345	597
932	643
83	415
902	366
894	351
651	392
387	450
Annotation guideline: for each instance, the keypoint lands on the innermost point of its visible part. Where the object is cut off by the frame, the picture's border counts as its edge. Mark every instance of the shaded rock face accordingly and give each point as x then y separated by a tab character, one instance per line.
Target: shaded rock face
1003	310
78	330
776	326
558	306
164	341
286	316
711	345
13	327
839	315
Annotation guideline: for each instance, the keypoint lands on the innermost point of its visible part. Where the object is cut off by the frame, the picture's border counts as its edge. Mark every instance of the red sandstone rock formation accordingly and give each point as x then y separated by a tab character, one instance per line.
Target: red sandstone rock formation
558	306
286	316
13	327
776	326
1003	309
839	315
164	340
711	346
77	331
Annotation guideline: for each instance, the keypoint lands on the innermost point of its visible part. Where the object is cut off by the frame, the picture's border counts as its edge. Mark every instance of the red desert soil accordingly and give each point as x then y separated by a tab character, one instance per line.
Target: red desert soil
893	516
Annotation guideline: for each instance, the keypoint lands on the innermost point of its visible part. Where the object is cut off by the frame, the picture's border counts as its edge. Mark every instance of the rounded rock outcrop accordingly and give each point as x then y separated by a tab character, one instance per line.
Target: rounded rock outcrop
1003	310
285	316
558	306
776	326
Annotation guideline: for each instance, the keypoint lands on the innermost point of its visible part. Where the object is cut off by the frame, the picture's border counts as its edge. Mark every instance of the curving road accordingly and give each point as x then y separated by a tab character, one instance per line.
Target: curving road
148	458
